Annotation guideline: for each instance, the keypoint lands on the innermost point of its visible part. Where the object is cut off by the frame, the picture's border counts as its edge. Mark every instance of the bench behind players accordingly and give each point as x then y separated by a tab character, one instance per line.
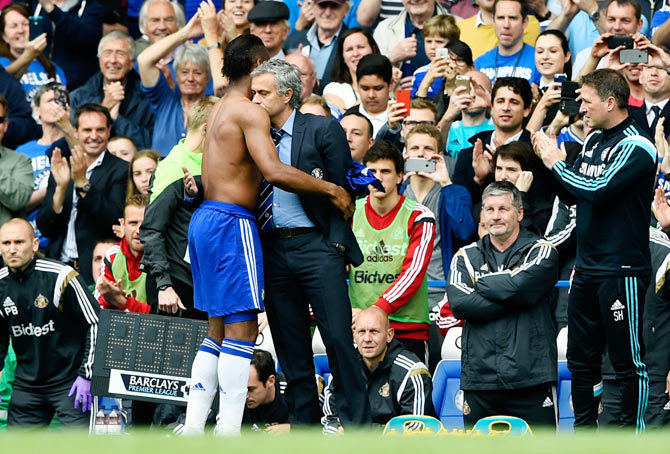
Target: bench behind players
53	322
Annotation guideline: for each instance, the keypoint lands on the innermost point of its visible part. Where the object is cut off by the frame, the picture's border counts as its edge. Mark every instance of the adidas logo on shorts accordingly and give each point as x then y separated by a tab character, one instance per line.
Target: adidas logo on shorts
617	306
547	403
198	387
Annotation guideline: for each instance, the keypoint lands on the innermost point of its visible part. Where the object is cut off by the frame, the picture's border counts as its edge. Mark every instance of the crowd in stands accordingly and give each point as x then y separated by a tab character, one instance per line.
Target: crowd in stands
104	106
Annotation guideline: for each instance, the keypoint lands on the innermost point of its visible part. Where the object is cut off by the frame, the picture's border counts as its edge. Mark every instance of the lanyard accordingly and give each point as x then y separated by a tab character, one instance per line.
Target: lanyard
516	63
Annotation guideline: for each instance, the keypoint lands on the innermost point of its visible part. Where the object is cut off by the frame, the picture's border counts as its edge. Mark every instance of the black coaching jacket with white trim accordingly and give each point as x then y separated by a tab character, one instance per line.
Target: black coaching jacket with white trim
52	319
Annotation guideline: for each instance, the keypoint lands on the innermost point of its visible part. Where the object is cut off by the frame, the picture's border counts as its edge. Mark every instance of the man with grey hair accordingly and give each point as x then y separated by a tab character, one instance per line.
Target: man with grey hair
117	87
306	246
503	287
158	19
191	65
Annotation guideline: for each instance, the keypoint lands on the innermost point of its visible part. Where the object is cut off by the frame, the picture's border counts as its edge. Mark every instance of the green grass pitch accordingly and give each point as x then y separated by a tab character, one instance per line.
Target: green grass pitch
313	442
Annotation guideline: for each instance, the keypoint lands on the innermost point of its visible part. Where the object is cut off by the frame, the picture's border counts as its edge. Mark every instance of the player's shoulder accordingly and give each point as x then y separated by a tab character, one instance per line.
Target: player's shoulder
53	266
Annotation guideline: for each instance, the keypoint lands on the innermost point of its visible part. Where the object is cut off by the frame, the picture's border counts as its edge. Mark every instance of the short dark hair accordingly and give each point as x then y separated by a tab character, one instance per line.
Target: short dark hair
385	150
520	152
375	65
634	3
522	4
462	50
92	108
264	364
360	115
241	55
518	85
136	200
608	82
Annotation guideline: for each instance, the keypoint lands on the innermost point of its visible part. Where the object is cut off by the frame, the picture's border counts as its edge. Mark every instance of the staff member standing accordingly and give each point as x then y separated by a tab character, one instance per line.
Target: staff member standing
53	322
612	182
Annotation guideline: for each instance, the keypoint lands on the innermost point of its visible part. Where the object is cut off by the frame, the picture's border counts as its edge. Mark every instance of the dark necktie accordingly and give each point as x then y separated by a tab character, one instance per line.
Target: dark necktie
657	114
264	214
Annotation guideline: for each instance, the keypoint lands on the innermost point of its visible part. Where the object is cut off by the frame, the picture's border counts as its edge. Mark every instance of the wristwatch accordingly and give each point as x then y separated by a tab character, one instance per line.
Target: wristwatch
214	46
595	15
84	188
164	287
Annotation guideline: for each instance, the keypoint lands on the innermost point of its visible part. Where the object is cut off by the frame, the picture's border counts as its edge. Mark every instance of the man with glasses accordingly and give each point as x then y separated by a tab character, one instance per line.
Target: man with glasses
421	112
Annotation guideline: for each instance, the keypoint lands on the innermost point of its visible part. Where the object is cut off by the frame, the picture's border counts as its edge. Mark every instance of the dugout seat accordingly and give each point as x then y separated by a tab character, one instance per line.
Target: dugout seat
501	425
413	425
451	346
566	414
447	395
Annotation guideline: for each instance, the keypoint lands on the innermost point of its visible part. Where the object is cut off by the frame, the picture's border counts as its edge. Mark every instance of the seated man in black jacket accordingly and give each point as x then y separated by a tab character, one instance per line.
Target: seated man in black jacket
266	407
503	287
117	87
398	383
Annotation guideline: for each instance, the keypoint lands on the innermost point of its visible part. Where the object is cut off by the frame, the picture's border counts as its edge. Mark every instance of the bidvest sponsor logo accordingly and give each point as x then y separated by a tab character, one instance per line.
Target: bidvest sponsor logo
365	277
32	330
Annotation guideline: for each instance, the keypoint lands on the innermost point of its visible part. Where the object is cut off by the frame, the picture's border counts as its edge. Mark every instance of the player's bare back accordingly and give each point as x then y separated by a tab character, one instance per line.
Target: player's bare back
229	174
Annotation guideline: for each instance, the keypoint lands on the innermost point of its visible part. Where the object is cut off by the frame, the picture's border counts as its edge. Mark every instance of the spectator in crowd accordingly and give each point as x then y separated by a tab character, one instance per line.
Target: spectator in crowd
164	231
22	127
508	364
315	105
191	64
235	19
374	73
516	163
438	32
401	37
473	107
309	80
582	22
266	407
73	30
16	175
140	171
552	57
56	364
121	284
310	242
511	102
623	18
85	196
117	87
49	104
452	207
656	85
122	147
478	31
354	44
370	12
656	344
22	58
399	124
358	129
321	39
511	57
398	382
269	21
611	187
158	19
395	234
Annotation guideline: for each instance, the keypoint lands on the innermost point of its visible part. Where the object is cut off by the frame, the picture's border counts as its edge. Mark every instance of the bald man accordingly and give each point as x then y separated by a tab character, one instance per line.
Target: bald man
52	319
391	371
309	80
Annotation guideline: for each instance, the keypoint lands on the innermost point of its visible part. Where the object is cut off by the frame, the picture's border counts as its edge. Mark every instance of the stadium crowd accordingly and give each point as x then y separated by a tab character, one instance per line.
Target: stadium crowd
507	144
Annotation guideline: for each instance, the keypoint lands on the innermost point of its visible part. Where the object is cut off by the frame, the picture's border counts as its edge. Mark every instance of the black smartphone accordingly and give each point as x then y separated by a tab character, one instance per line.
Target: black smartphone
616	41
36	24
634	56
569	104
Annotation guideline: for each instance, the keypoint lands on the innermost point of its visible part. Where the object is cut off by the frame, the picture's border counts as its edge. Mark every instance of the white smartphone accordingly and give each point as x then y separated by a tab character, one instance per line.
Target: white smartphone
419	165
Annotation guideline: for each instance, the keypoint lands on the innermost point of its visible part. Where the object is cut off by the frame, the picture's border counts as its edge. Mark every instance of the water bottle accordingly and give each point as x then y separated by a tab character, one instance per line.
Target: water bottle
114	425
100	428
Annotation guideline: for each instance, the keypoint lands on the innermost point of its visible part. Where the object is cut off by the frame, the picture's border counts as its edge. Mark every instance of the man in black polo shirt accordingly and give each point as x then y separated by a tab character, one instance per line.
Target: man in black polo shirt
266	407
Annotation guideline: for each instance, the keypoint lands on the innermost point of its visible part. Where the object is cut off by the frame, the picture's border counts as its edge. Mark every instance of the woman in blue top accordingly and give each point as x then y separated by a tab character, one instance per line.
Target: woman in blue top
22	58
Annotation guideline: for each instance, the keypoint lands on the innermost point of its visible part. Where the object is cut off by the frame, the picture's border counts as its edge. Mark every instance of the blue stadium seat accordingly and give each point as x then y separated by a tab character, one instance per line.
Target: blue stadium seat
413	424
322	367
566	415
447	396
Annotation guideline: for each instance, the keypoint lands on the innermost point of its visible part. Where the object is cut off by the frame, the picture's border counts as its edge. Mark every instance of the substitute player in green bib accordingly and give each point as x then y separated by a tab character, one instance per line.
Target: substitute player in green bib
395	235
